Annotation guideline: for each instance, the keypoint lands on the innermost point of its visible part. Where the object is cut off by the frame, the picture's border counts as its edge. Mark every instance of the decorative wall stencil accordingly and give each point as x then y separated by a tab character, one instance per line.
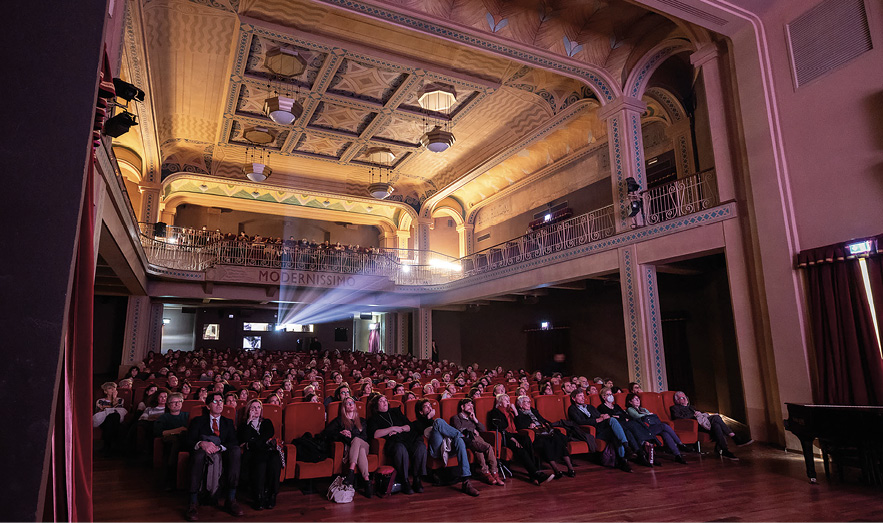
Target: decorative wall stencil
494	25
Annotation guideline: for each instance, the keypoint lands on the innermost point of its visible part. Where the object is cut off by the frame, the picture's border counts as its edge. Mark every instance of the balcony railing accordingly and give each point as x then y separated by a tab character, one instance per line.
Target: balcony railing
690	194
579	230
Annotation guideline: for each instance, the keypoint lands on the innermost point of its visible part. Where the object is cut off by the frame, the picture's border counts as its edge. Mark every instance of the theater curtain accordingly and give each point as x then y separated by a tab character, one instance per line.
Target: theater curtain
848	359
78	368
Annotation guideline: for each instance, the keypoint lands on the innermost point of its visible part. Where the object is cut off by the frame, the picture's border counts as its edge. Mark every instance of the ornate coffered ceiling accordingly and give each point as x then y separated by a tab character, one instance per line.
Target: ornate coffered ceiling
529	77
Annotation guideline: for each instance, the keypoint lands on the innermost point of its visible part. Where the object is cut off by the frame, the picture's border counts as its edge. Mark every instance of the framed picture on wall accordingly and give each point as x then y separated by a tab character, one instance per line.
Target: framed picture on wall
210	331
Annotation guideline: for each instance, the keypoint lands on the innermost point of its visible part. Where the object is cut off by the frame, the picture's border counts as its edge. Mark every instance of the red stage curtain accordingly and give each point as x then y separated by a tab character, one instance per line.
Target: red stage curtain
78	367
849	363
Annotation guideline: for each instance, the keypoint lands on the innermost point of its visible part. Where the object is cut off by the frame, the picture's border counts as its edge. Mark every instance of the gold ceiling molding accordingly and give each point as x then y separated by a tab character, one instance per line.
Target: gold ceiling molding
286	201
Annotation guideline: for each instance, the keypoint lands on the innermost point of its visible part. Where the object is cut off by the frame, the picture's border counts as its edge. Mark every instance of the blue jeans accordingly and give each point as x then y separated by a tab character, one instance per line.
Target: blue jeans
440	430
620	435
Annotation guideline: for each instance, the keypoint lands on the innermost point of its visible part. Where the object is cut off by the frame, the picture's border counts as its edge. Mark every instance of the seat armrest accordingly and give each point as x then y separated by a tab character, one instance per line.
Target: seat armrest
588	428
337	450
686	425
528	432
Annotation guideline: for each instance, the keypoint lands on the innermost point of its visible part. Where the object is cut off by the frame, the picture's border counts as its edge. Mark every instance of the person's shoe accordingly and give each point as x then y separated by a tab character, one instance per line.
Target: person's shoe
350	478
406	488
369	489
233	508
469	489
498	480
684	448
271	501
729	455
680	459
570	473
489	478
418	486
192	513
548	478
258	504
656	462
623	465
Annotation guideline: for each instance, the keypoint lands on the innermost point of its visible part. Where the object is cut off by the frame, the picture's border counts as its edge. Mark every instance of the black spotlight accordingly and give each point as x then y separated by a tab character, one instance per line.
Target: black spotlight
632	185
127	91
119	124
635	207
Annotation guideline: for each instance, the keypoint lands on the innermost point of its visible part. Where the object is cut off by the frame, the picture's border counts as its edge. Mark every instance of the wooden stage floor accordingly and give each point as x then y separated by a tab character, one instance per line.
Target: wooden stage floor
766	485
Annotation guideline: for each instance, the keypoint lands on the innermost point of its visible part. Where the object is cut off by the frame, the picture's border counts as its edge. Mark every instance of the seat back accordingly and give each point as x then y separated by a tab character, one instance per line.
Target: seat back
274	414
302	417
668	400
449	408
619	399
652	401
483	405
550	407
594	400
334	408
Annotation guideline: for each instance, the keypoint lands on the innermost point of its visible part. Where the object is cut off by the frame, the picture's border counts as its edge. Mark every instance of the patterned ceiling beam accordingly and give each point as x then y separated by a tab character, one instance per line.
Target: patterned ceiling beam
326	73
604	85
136	53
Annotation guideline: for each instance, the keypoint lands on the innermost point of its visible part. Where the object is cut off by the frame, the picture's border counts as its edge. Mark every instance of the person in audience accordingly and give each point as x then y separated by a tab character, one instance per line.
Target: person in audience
635	388
340	393
186	389
109	415
450	390
261	461
273	399
171	426
404	447
202	394
467	423
568	387
637	412
148	392
609	384
409	396
499	388
231	399
549	444
172	383
311	398
242	395
502	419
156	405
211	436
436	430
125	383
710	423
639	436
546	389
352	430
474	393
365	390
606	428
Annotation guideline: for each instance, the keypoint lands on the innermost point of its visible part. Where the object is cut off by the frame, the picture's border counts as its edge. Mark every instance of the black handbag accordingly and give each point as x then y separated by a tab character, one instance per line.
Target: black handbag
384	479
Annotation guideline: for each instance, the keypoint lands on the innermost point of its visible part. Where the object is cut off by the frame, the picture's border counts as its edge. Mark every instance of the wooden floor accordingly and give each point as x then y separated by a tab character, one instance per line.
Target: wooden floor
766	485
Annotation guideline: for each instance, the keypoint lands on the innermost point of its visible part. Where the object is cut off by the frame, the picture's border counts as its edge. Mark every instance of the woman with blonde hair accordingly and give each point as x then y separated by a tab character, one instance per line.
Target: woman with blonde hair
351	429
261	461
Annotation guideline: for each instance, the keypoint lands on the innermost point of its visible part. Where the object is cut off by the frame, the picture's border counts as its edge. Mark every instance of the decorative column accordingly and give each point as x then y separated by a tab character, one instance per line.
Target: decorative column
466	233
708	59
643	322
626	144
389	332
389	240
423	333
402	332
402	238
143	331
422	244
149	202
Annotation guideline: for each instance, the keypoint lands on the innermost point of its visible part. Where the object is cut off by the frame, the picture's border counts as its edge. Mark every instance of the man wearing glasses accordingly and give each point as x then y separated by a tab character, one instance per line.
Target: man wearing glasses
171	426
212	436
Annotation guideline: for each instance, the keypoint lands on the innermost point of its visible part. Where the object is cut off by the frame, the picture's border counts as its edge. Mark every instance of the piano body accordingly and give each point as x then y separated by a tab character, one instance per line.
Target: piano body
840	428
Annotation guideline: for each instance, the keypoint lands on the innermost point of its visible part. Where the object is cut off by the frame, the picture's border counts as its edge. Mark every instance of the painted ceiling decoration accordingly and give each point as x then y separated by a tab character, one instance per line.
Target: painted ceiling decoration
528	78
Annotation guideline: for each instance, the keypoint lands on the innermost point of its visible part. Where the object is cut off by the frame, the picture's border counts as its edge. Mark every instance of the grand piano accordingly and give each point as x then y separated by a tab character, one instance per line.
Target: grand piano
842	430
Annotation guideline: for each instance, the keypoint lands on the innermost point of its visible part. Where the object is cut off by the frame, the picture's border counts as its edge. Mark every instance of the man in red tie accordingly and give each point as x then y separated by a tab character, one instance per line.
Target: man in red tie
209	435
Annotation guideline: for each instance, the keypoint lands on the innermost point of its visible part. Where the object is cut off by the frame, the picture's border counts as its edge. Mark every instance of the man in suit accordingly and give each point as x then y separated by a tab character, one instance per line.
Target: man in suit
209	435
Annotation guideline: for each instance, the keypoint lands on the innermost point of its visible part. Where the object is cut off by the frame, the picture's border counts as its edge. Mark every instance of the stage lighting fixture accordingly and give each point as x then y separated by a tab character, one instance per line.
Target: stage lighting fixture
119	124
635	207
127	91
632	185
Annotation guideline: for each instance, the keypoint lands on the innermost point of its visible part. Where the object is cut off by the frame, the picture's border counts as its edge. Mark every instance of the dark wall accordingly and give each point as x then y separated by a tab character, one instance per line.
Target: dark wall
231	333
701	302
447	336
108	333
581	201
495	334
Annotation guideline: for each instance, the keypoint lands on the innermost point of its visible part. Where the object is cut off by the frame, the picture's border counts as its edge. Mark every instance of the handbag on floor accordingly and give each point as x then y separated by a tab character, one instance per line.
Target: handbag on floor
384	479
340	492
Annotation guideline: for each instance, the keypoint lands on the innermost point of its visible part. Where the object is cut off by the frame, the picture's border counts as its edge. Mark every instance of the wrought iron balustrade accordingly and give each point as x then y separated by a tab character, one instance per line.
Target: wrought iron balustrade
687	195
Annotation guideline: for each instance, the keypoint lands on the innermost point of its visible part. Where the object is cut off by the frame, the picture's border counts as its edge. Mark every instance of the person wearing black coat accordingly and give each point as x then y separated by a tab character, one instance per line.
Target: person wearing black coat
210	434
549	444
606	428
352	431
261	462
637	433
502	419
